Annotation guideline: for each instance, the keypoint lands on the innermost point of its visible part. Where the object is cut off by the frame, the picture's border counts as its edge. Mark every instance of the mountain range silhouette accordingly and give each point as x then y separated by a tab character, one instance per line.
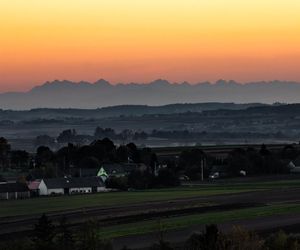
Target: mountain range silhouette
68	94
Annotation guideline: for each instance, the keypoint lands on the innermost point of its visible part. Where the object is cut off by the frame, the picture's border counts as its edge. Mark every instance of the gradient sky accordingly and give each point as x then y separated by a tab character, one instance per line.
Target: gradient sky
141	40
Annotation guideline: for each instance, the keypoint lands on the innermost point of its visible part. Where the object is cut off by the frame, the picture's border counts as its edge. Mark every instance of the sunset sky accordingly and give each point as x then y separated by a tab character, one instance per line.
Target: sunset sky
142	40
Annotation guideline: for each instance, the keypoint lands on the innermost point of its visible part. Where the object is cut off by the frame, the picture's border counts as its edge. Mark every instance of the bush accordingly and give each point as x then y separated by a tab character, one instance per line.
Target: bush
166	178
120	183
282	241
140	180
212	239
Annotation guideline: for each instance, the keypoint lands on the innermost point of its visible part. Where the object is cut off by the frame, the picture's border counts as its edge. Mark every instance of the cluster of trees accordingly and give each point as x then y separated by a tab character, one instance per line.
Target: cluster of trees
90	156
261	161
12	158
49	237
126	134
71	135
196	164
166	177
48	163
238	238
193	163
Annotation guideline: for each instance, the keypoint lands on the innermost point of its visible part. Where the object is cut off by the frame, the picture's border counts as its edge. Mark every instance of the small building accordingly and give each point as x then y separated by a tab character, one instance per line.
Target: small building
2	180
294	166
66	186
119	170
34	187
14	190
107	170
218	171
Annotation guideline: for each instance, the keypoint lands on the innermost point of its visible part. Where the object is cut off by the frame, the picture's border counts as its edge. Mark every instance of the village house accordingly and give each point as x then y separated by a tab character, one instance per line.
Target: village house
14	190
119	170
66	186
108	169
294	166
34	187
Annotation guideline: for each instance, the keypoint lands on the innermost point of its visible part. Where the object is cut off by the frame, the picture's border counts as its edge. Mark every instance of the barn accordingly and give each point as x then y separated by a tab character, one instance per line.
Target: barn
66	186
14	190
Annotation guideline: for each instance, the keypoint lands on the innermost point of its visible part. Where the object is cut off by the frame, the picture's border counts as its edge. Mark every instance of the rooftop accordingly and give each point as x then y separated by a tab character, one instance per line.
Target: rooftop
76	182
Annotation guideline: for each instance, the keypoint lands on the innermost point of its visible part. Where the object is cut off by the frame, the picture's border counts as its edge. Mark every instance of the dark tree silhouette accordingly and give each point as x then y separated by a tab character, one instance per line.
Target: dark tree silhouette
65	239
44	233
4	153
67	136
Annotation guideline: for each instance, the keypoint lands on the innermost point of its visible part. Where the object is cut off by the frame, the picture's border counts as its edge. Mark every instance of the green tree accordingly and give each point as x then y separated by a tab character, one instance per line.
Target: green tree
64	239
167	178
162	243
44	155
19	159
4	153
120	183
243	239
282	241
44	233
67	136
89	239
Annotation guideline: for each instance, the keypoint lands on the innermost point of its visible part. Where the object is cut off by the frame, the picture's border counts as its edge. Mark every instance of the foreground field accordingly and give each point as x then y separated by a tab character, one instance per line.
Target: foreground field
127	217
82	202
166	224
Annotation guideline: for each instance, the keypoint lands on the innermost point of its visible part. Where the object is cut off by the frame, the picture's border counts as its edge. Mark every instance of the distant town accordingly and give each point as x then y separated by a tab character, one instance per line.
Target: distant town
162	126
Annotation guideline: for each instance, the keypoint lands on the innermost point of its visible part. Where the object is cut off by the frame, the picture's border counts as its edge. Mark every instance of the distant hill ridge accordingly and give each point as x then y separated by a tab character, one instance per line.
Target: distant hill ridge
122	110
68	94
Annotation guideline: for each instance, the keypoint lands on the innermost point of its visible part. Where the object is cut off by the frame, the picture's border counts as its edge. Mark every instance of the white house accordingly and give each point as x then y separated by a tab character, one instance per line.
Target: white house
60	186
294	167
119	169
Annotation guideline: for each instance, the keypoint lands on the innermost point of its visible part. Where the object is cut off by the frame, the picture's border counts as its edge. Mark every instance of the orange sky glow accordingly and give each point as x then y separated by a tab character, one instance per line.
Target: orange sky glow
141	40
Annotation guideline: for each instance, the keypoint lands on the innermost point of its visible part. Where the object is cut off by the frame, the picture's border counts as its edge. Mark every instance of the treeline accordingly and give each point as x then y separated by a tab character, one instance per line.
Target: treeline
193	164
253	161
74	155
46	163
165	177
263	161
71	135
47	236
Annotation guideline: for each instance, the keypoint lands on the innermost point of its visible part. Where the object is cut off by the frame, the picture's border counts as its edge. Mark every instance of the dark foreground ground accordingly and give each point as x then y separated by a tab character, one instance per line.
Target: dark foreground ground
264	205
287	223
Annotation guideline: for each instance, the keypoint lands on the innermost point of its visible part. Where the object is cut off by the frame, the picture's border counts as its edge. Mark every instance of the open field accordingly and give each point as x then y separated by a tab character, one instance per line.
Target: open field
127	217
180	222
62	203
